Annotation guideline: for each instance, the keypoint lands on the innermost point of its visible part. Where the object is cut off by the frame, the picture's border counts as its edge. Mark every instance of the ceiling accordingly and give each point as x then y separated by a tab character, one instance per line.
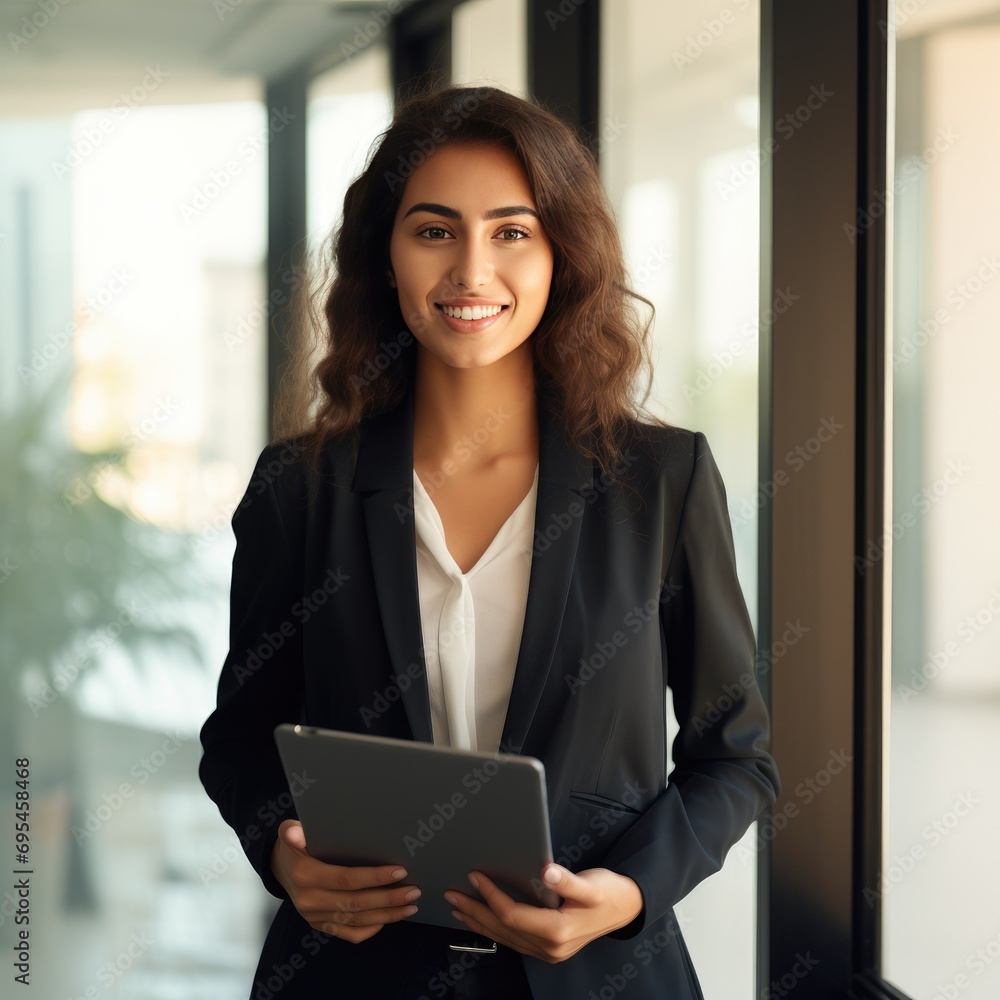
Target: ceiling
85	53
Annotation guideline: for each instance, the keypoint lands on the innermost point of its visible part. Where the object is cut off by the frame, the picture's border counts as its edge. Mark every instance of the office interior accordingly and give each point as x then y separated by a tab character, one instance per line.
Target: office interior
805	193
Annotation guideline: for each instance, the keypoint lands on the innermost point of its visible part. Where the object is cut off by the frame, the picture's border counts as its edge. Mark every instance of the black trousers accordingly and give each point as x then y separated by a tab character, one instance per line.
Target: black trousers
438	973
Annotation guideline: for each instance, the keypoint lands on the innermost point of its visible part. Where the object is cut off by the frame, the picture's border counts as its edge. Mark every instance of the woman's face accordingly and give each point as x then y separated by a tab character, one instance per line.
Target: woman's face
465	236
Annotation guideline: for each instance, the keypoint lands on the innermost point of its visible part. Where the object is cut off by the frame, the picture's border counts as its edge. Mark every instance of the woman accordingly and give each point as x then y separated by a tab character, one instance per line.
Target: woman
477	539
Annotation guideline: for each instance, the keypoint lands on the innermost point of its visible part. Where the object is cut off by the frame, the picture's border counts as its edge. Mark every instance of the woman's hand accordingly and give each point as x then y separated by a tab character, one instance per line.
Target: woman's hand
595	902
345	901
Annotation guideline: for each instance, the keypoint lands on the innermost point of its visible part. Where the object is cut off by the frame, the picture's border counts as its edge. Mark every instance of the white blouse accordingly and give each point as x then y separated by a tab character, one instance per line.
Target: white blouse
472	622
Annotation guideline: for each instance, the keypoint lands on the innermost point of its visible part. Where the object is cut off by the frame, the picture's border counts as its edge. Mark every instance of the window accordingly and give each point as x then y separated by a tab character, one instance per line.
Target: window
348	106
942	540
488	44
677	143
139	240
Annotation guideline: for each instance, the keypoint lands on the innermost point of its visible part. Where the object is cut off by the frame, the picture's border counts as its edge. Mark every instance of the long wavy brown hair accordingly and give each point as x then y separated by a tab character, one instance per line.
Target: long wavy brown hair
354	356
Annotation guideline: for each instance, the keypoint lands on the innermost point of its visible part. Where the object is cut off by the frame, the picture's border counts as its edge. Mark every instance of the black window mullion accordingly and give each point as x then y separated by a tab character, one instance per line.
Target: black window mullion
874	179
821	461
286	108
564	59
420	45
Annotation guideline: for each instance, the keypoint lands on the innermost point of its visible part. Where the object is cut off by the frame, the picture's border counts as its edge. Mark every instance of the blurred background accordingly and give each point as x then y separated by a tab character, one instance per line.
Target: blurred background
162	167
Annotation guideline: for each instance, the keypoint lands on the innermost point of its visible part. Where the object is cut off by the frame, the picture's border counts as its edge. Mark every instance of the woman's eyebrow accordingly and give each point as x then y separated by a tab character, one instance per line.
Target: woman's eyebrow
451	213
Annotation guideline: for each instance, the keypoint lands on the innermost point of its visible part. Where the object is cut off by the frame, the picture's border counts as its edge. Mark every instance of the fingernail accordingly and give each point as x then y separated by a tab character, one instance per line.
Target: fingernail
413	894
399	873
474	881
452	898
552	875
409	911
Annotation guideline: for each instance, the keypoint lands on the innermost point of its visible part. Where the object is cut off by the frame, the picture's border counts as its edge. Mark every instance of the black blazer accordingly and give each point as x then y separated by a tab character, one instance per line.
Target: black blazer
626	594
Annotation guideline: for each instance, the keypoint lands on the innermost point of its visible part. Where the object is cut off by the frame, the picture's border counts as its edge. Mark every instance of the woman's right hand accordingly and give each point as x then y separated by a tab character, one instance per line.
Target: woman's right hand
346	901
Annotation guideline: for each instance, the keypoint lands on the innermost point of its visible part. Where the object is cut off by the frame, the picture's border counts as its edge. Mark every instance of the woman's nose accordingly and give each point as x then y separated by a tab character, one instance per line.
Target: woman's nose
473	265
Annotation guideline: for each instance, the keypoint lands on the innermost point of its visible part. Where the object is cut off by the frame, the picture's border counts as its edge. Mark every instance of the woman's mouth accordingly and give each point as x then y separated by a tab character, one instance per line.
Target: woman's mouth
470	319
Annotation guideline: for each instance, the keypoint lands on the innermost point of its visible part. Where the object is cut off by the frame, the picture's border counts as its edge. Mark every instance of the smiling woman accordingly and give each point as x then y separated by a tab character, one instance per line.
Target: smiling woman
471	494
471	172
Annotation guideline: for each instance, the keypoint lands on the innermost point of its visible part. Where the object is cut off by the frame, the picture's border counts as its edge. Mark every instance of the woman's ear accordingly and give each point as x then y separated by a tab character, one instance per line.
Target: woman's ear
392	279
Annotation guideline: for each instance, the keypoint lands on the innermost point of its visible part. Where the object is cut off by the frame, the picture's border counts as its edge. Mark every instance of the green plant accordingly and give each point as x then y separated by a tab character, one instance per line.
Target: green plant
74	568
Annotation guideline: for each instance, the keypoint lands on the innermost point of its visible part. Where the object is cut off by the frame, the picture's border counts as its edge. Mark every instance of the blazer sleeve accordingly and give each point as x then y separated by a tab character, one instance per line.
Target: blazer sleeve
723	775
261	682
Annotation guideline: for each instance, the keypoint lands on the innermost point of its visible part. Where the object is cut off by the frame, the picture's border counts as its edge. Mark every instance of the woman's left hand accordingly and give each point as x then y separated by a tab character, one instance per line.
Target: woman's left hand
595	901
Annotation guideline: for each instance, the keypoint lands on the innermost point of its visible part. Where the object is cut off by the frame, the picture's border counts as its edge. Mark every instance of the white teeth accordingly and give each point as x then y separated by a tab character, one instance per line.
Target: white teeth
471	312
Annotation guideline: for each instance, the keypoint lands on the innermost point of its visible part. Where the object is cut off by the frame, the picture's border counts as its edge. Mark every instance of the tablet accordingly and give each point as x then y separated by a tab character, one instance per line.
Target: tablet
438	811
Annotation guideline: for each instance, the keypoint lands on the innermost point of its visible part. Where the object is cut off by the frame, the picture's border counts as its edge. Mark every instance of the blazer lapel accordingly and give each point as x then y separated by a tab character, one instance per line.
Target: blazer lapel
384	471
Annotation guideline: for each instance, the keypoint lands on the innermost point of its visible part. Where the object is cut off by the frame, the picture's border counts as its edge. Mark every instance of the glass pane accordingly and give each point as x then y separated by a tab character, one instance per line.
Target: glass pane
489	44
133	386
939	880
348	107
678	149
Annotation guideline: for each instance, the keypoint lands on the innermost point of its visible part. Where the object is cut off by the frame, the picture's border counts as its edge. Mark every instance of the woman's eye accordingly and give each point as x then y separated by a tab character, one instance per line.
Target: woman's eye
510	234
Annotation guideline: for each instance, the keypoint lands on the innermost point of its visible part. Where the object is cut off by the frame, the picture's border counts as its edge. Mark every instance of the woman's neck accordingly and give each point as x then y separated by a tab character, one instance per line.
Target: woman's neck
474	416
